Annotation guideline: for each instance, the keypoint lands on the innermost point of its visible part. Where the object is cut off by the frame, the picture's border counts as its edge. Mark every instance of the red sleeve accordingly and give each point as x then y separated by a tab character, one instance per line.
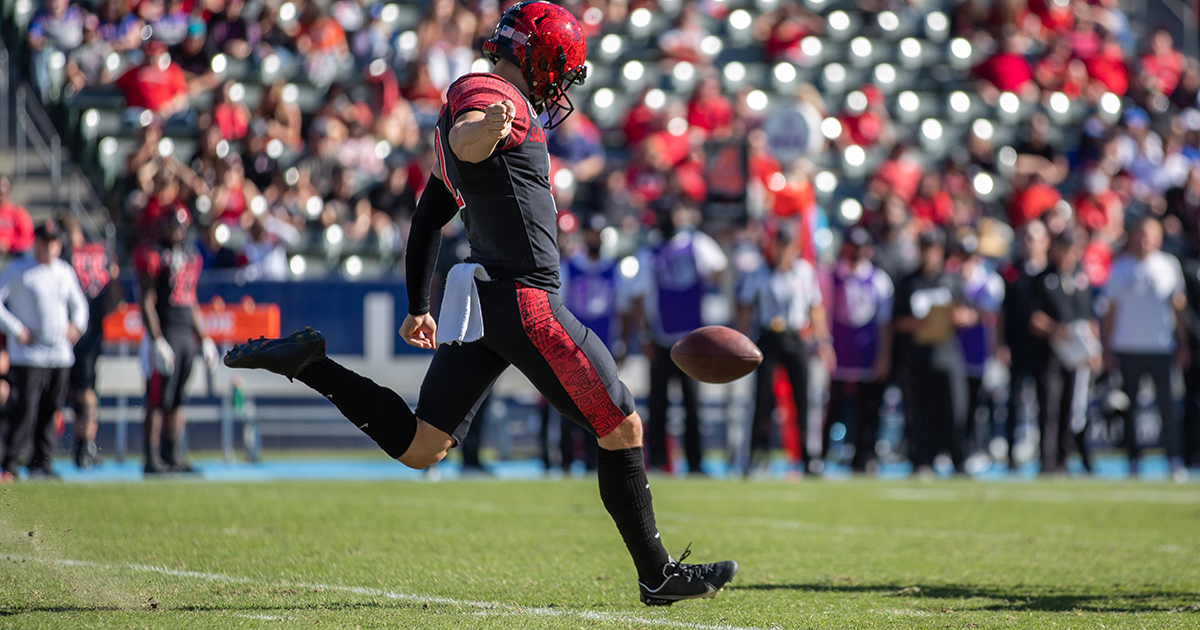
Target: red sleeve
177	80
147	261
128	81
23	231
474	92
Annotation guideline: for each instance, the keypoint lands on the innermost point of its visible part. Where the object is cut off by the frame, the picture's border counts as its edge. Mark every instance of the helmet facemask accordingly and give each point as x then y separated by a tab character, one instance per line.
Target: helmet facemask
554	101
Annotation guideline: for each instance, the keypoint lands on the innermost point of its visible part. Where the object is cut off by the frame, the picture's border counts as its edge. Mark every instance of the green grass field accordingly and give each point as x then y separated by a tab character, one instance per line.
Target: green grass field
818	554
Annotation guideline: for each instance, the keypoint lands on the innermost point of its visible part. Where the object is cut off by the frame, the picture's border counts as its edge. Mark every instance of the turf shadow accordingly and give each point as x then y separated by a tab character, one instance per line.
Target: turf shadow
25	610
1009	598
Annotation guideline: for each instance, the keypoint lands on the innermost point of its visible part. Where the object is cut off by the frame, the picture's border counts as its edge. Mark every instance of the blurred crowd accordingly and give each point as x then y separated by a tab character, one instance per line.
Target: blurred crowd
963	236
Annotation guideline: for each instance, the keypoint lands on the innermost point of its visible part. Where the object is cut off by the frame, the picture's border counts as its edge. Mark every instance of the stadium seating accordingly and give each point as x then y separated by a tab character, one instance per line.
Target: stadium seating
910	57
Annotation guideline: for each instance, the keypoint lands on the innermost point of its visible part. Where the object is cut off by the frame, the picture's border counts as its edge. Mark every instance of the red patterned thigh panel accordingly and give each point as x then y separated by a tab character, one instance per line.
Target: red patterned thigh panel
568	361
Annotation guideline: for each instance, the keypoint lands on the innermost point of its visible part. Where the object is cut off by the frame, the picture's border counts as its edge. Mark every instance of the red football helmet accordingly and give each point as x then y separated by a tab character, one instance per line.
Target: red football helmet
546	42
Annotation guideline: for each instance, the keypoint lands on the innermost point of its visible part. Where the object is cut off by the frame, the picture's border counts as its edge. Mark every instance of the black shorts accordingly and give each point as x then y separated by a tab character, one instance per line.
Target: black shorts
165	391
528	328
87	352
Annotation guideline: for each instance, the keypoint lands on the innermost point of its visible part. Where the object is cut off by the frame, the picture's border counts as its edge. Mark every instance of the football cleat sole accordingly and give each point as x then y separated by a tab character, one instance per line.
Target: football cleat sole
286	356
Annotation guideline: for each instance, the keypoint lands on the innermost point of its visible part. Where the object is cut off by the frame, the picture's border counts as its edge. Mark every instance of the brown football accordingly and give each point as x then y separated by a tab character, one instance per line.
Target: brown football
716	354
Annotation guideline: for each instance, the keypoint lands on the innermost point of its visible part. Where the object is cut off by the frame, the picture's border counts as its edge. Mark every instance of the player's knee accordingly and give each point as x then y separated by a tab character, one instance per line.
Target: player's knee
421	458
429	446
628	434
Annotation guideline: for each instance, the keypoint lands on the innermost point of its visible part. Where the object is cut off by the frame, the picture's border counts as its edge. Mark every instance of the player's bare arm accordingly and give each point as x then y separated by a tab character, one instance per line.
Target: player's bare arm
476	134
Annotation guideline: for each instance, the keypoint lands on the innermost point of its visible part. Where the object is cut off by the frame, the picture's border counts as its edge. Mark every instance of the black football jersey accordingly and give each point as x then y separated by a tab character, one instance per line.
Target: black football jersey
506	202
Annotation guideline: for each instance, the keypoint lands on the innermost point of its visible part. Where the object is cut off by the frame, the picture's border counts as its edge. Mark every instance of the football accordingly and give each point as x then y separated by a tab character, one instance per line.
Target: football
716	354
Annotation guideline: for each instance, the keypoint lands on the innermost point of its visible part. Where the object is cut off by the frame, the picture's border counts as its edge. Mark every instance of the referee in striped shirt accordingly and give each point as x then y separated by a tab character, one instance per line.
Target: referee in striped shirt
782	300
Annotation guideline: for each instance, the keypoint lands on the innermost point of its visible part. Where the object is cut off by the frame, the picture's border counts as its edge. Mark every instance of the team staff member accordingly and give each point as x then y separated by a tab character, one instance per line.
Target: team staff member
930	308
168	271
494	169
96	269
1016	341
784	300
1060	299
860	314
43	313
1144	329
667	295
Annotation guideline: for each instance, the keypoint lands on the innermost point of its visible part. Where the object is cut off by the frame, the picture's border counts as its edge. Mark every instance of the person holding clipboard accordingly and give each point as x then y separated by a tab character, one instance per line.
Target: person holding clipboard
929	310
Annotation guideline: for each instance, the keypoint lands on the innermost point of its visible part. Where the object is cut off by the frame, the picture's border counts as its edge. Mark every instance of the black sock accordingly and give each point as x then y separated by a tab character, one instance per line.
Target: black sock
378	411
625	492
169	451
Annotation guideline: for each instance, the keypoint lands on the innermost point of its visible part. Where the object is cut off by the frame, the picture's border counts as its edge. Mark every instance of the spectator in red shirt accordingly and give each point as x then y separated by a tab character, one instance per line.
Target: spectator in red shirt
900	174
166	200
1107	69
794	197
1085	41
1097	260
782	30
708	109
1098	208
1006	71
1030	202
231	117
1055	17
647	172
16	228
932	203
690	174
760	164
865	121
1163	65
157	85
642	120
682	42
1059	72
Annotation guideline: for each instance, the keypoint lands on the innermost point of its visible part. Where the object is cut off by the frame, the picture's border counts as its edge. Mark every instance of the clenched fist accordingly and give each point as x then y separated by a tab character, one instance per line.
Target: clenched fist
499	118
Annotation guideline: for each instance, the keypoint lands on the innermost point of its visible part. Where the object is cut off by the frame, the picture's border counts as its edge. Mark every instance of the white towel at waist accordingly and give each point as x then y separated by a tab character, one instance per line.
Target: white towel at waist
461	320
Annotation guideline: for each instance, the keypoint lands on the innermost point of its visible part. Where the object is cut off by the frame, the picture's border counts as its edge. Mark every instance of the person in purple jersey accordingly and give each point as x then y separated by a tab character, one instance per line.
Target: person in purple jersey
860	315
589	286
983	290
666	297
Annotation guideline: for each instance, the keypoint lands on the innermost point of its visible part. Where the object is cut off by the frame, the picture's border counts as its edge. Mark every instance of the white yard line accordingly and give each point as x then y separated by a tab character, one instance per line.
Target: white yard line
495	607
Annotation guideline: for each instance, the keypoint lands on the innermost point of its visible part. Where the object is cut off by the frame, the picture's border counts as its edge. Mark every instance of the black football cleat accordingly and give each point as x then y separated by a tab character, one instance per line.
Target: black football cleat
286	356
688	581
